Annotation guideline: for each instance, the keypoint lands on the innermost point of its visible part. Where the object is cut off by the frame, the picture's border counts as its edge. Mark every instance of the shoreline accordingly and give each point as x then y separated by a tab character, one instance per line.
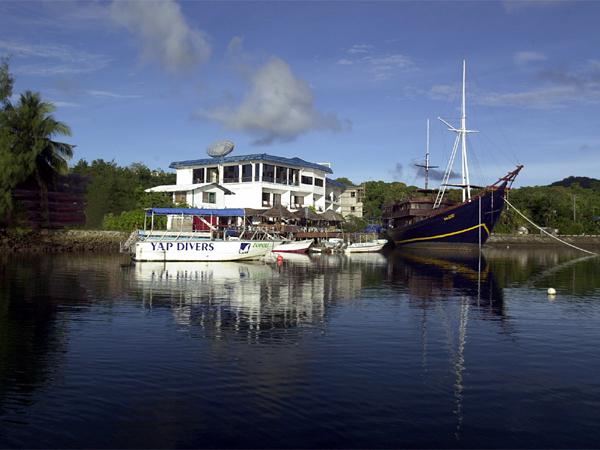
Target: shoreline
73	241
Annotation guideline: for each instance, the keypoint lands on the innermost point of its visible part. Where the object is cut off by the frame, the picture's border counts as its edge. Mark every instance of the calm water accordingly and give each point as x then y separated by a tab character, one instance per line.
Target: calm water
328	351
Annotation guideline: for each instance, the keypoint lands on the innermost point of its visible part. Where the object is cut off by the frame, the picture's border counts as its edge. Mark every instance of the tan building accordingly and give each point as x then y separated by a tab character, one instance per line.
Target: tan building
351	201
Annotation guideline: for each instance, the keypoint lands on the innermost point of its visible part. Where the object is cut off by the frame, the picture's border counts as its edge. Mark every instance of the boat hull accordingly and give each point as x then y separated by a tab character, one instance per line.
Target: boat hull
293	247
457	226
157	250
367	247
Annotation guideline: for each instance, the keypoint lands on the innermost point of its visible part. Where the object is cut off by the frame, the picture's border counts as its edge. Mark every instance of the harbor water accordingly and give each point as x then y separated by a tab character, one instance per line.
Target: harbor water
328	351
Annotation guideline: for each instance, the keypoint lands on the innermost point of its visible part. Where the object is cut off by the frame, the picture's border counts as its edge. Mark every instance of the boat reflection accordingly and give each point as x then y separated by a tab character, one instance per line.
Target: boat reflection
448	287
430	276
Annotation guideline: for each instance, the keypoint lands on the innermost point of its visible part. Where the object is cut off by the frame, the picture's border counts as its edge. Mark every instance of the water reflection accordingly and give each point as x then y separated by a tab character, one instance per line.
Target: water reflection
242	296
320	351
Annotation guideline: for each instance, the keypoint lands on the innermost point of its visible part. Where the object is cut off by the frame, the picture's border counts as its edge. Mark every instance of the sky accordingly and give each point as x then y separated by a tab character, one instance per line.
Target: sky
346	82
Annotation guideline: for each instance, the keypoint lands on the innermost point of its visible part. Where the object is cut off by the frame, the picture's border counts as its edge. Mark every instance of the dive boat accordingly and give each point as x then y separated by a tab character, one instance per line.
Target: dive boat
430	219
212	245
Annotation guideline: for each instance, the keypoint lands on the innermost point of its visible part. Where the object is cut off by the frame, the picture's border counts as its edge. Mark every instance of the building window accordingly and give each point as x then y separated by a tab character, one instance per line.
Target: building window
318	182
209	197
246	173
268	173
353	194
180	197
276	199
306	180
256	171
352	209
266	199
198	175
298	201
281	177
212	175
294	177
231	174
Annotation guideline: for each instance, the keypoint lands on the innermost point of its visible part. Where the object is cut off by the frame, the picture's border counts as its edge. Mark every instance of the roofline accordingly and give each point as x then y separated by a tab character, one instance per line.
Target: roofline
293	162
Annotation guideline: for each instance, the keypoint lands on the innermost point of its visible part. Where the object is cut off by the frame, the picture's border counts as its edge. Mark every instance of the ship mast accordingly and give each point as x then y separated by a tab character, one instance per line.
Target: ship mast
426	166
461	138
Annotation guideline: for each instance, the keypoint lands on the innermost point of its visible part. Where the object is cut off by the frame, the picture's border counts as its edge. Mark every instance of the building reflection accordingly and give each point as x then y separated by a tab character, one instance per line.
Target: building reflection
242	296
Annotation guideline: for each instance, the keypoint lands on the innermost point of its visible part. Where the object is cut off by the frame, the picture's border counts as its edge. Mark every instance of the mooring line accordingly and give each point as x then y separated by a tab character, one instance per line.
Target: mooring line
544	231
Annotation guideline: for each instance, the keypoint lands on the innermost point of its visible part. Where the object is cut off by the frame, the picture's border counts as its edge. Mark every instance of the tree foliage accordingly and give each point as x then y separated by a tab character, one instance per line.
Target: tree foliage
113	190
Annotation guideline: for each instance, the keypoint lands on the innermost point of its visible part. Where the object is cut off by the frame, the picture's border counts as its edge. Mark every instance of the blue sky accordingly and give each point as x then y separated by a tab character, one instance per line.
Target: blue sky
351	83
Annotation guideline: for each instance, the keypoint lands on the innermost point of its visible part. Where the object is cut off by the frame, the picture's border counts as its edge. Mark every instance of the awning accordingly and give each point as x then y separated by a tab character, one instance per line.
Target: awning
224	212
189	187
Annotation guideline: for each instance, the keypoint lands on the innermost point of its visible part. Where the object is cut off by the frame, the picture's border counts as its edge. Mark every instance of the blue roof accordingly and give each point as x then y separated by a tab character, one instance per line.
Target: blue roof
336	183
225	212
294	162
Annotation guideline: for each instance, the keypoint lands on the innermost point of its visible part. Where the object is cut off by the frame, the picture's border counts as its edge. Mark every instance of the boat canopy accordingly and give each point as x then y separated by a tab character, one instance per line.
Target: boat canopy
223	212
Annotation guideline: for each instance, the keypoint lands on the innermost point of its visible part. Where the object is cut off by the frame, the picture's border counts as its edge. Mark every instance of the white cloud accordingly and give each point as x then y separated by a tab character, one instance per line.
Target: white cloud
278	107
526	57
52	59
383	67
359	48
514	6
163	32
380	66
108	94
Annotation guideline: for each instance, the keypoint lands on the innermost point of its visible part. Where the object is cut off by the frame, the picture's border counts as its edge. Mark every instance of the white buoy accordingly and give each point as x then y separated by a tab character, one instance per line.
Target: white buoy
551	291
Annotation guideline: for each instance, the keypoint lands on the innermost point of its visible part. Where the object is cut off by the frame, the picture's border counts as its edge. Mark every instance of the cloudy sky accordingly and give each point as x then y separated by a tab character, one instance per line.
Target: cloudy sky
351	83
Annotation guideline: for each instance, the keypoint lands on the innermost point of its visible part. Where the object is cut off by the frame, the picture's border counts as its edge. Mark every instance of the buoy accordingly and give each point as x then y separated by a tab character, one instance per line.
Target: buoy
551	291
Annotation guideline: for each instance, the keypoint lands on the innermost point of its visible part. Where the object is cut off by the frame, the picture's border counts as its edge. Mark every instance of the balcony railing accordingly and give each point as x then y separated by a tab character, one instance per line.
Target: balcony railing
231	179
246	179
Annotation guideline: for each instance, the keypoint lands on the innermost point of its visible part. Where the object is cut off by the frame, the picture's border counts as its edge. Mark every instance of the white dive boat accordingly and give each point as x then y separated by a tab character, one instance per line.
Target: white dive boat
293	246
213	245
366	247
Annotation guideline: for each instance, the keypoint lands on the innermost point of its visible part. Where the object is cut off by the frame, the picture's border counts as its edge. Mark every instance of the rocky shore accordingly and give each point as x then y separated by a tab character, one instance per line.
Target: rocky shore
59	241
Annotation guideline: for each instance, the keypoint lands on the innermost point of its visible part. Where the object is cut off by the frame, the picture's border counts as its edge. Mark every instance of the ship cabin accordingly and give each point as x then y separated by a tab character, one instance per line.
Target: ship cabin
406	212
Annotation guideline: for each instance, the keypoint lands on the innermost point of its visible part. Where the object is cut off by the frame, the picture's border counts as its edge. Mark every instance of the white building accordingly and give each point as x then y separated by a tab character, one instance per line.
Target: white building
254	181
351	201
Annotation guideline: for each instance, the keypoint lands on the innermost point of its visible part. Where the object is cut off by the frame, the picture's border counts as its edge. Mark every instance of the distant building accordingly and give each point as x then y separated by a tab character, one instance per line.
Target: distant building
351	201
254	181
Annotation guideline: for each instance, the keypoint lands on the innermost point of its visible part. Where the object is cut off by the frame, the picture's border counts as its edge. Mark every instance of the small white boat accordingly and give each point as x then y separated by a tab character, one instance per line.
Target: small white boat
293	246
366	247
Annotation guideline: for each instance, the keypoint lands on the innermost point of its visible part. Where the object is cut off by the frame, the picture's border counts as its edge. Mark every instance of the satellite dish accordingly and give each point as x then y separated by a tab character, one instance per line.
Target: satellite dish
220	148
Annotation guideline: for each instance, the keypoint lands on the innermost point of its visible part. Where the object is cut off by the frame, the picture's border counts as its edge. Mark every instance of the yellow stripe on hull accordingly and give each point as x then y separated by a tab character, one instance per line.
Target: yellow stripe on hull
483	225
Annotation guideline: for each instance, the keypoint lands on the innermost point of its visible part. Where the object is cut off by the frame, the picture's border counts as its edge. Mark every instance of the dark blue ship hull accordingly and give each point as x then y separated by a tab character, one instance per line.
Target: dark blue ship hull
461	224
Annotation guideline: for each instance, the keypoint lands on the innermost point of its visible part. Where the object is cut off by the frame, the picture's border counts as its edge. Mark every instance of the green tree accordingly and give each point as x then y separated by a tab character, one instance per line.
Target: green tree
6	81
33	129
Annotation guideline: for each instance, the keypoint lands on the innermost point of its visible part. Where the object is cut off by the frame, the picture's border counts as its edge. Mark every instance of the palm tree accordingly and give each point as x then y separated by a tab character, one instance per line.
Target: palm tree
32	128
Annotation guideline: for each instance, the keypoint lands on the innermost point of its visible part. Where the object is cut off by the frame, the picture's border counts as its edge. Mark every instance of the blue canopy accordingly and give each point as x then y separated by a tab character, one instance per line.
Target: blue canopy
225	212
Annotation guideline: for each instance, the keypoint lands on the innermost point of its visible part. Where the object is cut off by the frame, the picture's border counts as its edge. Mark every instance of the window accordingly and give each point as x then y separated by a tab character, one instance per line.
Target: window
266	199
268	173
257	172
198	175
294	177
281	177
212	175
246	173
318	182
353	194
276	199
231	174
209	197
180	197
298	201
352	209
306	180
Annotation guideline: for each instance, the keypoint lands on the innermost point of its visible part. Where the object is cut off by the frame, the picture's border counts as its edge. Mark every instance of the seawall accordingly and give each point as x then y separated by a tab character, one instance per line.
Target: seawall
59	241
532	240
